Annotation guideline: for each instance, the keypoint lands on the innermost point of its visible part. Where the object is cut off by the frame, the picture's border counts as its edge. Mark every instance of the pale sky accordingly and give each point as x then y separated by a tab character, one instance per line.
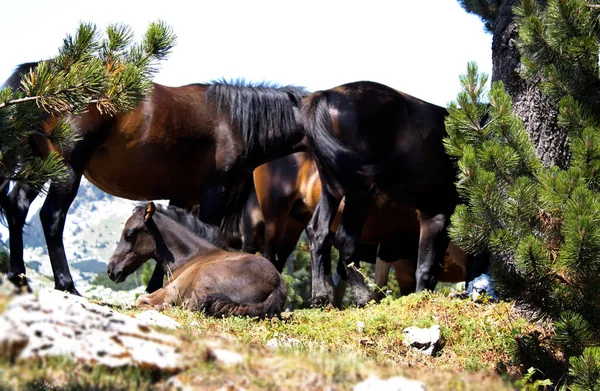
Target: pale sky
416	46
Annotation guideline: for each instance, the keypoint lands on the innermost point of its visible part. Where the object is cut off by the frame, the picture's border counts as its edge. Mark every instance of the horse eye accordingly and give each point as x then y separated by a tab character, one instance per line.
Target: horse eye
128	235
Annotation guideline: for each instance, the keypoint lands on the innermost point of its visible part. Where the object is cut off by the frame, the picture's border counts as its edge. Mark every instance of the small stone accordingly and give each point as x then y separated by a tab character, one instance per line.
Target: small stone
224	357
360	326
12	341
155	318
423	340
285	342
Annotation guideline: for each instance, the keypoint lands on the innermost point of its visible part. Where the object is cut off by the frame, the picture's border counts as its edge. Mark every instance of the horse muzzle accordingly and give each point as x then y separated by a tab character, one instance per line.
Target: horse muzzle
115	273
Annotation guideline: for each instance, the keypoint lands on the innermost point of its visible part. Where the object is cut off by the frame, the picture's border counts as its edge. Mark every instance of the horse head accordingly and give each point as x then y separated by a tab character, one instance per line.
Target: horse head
136	246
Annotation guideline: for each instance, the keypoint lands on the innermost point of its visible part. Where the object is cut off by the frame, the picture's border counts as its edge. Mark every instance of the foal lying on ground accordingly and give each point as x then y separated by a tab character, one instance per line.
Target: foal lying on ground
202	276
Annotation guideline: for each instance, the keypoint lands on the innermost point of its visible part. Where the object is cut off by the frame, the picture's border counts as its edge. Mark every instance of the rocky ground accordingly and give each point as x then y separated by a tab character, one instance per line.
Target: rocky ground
53	341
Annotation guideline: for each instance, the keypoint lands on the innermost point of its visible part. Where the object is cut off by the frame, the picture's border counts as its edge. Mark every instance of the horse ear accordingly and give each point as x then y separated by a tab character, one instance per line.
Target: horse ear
150	209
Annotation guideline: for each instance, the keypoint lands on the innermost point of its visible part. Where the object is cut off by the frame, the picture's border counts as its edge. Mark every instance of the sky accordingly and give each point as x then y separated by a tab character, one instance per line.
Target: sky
419	47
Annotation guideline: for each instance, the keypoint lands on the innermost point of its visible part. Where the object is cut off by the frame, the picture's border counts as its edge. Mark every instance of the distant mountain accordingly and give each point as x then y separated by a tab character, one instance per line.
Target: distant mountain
92	231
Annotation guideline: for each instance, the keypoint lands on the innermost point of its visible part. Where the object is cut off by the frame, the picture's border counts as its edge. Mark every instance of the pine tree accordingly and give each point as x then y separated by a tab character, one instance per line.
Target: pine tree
541	124
542	222
112	73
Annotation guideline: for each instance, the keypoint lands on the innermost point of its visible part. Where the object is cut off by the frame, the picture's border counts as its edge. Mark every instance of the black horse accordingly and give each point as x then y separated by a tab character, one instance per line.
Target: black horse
192	145
373	144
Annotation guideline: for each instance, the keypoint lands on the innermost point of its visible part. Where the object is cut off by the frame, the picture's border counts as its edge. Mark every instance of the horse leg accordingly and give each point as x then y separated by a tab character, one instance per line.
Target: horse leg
158	275
405	270
274	241
433	243
252	226
382	271
16	205
210	205
476	265
319	244
153	300
53	215
347	240
157	279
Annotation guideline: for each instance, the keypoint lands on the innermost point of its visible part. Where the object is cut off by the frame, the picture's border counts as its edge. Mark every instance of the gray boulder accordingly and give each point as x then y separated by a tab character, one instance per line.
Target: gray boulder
53	323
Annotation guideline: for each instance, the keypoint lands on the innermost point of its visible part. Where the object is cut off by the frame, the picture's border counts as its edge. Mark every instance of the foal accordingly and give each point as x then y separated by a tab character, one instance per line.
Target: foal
202	276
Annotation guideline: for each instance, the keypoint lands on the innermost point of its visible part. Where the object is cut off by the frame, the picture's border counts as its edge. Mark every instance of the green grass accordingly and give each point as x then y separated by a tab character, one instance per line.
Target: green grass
332	350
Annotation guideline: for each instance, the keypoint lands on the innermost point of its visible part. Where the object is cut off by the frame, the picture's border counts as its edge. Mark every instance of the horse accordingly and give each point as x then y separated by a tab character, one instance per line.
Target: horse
193	144
374	145
203	276
288	189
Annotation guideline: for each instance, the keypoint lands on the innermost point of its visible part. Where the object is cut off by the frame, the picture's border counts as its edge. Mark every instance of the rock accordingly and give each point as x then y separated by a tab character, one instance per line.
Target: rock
155	318
56	323
360	326
397	383
224	357
13	341
423	340
285	342
481	286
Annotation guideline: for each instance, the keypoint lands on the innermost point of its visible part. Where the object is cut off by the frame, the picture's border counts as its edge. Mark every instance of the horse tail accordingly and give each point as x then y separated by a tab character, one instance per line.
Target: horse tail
221	305
334	159
233	205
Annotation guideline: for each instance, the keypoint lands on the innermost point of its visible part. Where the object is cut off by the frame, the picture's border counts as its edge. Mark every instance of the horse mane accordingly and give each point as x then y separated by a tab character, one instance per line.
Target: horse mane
263	111
204	230
14	80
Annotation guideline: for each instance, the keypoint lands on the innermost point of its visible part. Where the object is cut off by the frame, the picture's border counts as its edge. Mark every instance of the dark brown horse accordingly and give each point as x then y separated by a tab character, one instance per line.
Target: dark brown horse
375	145
191	145
202	276
287	192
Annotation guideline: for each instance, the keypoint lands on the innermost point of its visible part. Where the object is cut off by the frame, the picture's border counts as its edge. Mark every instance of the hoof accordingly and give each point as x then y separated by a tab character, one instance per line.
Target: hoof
75	292
143	302
320	301
20	282
362	302
70	290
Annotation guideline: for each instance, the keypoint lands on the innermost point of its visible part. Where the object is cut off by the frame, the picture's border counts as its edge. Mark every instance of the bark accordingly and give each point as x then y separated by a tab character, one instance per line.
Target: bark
538	113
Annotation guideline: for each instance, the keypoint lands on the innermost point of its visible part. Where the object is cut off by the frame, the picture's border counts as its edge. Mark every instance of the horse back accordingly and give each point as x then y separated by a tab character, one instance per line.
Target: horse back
368	137
168	147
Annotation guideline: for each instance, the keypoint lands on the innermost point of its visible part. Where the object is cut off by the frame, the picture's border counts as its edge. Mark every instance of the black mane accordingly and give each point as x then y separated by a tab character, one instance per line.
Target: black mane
209	232
14	81
262	111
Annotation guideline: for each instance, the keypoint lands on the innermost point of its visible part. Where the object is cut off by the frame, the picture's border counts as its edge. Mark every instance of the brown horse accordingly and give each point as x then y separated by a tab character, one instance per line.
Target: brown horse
191	145
287	190
202	275
375	145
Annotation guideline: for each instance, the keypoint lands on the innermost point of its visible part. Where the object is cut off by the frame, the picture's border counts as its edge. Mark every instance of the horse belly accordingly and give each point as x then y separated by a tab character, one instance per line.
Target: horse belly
149	175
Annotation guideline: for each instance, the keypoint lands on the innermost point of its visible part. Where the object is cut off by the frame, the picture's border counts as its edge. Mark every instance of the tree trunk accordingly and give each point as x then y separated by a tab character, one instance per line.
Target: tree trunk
538	113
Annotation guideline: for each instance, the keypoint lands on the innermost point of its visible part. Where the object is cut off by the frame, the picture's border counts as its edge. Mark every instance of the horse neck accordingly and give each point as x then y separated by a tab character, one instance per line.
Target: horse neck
278	145
176	245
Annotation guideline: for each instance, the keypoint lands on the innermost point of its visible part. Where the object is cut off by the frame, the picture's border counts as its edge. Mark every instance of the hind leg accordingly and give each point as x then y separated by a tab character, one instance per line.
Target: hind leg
16	205
382	272
293	231
347	239
433	243
274	241
319	244
405	270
